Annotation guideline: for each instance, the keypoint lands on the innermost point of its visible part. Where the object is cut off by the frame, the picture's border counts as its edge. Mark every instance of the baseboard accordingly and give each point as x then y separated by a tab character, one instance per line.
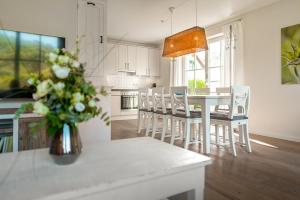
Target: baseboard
124	117
277	135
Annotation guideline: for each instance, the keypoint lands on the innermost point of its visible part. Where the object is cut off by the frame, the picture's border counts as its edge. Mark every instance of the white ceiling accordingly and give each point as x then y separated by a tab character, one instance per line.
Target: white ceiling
140	20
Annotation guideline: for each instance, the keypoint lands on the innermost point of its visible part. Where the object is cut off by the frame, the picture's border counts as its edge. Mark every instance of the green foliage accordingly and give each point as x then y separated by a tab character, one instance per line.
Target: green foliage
194	84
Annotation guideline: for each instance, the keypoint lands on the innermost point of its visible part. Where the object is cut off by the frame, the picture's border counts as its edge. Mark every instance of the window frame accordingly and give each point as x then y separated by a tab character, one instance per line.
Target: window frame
218	37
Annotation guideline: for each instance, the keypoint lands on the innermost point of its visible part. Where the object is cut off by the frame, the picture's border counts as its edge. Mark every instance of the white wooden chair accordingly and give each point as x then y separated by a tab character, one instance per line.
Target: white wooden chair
160	110
181	113
221	108
144	109
237	115
202	90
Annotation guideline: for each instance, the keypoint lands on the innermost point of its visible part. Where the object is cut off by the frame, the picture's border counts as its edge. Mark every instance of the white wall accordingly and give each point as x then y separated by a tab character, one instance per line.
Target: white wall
54	17
275	108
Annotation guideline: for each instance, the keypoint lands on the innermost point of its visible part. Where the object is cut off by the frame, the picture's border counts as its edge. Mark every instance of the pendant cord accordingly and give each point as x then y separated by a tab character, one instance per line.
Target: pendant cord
196	6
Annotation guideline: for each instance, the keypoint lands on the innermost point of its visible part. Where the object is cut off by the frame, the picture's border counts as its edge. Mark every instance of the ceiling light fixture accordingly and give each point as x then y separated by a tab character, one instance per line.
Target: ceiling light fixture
186	42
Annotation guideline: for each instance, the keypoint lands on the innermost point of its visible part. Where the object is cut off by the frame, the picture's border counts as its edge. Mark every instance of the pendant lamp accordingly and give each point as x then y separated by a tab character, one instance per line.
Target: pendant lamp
186	42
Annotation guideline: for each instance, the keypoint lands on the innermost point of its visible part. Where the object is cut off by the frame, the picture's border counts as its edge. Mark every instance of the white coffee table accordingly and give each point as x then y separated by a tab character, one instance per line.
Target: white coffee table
130	169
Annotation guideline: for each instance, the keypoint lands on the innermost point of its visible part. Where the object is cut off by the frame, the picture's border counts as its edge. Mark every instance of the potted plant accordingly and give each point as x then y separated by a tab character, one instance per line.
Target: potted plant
64	99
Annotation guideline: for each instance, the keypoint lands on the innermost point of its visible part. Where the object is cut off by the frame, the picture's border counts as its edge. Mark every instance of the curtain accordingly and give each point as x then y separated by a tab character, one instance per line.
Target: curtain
176	72
234	63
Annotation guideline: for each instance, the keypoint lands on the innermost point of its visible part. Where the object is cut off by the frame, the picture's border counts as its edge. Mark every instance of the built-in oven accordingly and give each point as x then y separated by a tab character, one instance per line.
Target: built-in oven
129	100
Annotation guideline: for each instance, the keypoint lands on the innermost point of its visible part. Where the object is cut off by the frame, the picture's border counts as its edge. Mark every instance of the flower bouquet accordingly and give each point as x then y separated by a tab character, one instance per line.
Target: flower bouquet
64	99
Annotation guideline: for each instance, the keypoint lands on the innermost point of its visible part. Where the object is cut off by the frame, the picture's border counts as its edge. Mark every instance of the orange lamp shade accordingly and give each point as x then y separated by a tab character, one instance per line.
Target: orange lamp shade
189	41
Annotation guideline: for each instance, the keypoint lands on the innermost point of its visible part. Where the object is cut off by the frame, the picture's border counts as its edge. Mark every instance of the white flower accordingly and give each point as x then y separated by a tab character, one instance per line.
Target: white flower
59	86
79	107
34	96
63	59
77	97
60	72
92	103
43	88
75	64
52	57
30	81
40	108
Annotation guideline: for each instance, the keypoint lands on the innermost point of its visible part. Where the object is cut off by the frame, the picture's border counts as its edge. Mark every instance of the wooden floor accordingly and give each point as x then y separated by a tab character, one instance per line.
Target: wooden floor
270	172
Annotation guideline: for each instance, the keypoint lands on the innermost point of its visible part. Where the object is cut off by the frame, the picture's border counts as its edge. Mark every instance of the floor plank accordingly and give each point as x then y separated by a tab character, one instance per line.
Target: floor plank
270	172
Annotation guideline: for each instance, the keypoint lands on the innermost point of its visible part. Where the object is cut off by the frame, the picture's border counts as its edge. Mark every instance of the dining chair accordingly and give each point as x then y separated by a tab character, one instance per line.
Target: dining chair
160	110
144	108
221	108
181	113
202	91
237	115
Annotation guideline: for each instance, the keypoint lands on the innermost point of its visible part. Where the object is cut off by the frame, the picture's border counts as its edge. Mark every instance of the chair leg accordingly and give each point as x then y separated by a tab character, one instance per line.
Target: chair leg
140	118
173	130
217	134
224	134
247	139
165	127
232	140
241	135
187	134
149	120
154	125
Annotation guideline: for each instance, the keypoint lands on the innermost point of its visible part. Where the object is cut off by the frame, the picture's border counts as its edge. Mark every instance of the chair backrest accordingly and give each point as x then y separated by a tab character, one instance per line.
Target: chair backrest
158	100
143	99
202	90
221	90
240	99
179	100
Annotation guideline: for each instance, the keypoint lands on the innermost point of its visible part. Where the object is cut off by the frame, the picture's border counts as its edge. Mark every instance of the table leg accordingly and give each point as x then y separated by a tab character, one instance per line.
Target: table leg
206	125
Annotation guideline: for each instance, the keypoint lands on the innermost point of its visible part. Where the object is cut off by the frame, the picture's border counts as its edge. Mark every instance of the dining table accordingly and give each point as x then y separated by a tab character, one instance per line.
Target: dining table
206	101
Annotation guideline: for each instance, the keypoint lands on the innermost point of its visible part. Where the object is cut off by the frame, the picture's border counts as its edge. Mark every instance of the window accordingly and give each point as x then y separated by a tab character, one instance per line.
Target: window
206	69
216	63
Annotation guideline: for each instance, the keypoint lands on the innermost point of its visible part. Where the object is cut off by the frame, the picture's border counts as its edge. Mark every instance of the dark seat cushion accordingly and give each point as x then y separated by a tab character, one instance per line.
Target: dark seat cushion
193	114
224	116
169	112
146	110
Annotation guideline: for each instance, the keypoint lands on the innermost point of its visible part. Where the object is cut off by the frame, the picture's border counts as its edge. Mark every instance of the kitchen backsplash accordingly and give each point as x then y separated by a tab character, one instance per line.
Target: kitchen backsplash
126	81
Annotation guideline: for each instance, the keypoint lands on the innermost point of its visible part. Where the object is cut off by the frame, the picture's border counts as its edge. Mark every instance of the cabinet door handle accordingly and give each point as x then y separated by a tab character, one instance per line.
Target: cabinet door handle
101	39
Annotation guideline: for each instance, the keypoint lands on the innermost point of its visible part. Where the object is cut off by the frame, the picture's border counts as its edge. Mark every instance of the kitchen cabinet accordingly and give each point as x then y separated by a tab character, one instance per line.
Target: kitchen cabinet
111	59
115	104
154	62
126	58
142	62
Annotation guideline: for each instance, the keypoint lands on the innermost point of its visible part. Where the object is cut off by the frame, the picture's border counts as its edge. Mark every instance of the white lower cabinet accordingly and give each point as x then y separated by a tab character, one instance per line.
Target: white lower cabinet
115	105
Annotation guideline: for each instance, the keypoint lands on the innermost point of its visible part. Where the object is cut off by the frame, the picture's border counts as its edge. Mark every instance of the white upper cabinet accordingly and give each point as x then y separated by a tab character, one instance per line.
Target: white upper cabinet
111	59
142	62
91	21
122	60
154	62
127	58
131	56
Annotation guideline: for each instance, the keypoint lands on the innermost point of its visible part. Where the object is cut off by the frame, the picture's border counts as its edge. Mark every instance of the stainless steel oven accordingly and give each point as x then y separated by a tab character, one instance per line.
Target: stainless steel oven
129	100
